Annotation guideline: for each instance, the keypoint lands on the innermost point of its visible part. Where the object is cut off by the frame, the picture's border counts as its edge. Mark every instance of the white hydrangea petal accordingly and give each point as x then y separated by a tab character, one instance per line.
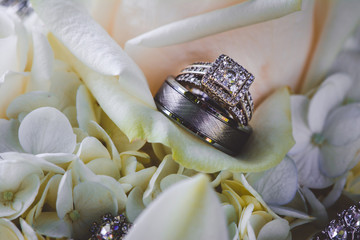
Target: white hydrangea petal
57	158
335	192
28	231
330	94
290	212
64	201
13	172
26	194
195	209
89	42
343	125
30	101
301	131
91	148
239	15
36	161
336	160
42	65
12	85
46	130
170	180
95	130
49	224
331	37
166	167
140	178
9	231
276	229
308	167
134	205
104	166
9	141
318	210
277	185
92	200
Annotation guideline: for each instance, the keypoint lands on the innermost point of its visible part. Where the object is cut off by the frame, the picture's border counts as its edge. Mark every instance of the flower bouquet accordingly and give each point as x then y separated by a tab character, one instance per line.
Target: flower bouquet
86	154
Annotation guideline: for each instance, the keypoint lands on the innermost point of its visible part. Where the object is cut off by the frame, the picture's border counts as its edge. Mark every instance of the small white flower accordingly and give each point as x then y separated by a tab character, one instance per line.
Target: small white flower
76	208
43	131
327	133
19	185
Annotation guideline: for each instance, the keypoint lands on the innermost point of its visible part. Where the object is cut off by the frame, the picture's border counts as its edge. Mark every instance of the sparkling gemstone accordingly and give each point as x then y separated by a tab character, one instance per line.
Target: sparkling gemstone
234	88
352	217
230	75
336	231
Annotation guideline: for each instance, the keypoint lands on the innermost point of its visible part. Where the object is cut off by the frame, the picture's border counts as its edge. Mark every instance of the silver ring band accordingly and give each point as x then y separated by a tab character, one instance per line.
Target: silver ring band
200	117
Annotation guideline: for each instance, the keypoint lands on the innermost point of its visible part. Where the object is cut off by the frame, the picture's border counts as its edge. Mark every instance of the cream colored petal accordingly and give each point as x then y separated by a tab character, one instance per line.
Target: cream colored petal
95	130
64	85
91	148
171	179
277	229
104	166
340	20
46	130
42	65
241	178
9	231
85	108
25	194
139	179
244	218
290	212
195	211
57	158
35	161
30	101
49	224
120	140
240	15
13	173
12	85
135	205
166	167
64	201
28	231
89	42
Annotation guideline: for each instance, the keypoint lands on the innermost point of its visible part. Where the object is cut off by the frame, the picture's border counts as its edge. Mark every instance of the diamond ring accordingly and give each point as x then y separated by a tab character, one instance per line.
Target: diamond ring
200	115
226	81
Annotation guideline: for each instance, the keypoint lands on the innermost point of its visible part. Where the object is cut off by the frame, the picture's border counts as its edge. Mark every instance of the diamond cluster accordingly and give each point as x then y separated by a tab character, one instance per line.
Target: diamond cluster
110	227
345	226
225	81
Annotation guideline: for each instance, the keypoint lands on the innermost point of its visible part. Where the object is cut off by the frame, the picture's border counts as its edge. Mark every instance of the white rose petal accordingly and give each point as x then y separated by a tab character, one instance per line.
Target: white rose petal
9	231
194	209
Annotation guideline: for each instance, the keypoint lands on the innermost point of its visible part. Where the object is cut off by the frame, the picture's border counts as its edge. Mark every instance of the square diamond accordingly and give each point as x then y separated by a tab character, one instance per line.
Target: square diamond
227	78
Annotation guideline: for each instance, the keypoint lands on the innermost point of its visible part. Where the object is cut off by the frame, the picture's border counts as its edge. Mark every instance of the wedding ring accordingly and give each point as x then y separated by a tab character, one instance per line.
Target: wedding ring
192	109
225	81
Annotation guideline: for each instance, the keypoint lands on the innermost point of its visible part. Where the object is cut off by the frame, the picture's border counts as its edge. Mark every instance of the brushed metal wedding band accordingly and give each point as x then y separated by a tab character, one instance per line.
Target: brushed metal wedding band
199	114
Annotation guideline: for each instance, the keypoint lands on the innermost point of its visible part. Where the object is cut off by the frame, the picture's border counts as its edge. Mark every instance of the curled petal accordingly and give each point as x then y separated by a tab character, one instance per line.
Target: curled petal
9	230
276	229
195	209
